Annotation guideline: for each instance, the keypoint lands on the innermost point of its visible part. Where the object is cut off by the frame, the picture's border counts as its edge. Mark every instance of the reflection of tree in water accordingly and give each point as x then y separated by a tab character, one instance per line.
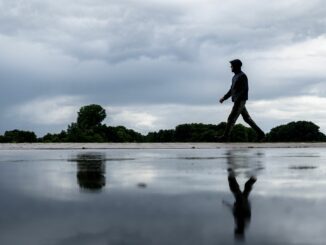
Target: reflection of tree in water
91	171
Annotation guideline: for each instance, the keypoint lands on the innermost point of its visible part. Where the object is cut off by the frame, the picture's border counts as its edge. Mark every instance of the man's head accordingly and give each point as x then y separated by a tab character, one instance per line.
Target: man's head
236	65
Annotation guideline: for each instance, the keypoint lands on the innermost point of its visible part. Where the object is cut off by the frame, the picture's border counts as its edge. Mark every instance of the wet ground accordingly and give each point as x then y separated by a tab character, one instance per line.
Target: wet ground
163	196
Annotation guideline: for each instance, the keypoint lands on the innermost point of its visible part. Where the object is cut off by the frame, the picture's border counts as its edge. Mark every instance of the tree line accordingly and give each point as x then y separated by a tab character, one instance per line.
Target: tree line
89	128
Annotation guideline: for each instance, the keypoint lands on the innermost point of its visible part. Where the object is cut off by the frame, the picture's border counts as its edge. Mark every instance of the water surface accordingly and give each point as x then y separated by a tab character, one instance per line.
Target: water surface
185	196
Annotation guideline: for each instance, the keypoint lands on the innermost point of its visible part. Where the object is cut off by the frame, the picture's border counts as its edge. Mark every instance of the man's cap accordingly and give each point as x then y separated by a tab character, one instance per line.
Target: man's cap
236	63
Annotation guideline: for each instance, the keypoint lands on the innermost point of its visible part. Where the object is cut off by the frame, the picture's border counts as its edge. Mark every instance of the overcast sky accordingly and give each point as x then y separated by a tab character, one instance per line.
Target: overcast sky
158	63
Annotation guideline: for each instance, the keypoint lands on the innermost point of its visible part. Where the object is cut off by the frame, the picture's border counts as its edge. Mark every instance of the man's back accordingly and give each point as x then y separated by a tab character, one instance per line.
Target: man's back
239	88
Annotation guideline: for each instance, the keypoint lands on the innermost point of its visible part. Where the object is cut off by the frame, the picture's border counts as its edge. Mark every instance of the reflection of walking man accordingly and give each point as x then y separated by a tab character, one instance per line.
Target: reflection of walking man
239	94
241	209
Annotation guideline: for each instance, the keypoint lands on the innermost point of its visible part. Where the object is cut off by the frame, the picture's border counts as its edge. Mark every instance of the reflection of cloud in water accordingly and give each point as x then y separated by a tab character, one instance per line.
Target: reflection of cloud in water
293	188
52	181
131	175
112	236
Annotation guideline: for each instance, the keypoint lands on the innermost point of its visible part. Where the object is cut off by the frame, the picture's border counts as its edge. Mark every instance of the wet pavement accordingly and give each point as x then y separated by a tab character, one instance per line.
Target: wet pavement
163	196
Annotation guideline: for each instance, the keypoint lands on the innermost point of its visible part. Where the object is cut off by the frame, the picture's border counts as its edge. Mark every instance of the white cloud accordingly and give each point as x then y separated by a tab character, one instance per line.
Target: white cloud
300	59
139	119
48	111
284	110
146	118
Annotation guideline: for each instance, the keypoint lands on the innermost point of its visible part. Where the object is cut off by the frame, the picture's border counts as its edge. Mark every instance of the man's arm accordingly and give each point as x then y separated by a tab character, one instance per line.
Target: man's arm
226	96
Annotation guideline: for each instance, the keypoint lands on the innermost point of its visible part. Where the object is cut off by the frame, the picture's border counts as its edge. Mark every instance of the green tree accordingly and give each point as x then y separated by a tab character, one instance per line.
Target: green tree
183	133
167	135
90	116
198	132
122	134
239	133
77	134
2	139
87	127
61	137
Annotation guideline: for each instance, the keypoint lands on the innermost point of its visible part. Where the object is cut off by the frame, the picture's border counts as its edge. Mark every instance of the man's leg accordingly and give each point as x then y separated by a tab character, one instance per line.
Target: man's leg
253	125
235	113
248	186
234	187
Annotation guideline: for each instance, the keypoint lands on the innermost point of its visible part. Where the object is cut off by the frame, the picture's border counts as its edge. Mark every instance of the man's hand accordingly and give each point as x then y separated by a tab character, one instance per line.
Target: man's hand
221	100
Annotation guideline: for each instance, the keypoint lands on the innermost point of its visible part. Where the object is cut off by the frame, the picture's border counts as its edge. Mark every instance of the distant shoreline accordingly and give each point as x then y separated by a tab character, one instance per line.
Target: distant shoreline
187	145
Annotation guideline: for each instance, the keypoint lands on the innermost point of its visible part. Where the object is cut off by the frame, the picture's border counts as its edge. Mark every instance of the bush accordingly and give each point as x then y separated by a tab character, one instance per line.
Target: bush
19	136
300	131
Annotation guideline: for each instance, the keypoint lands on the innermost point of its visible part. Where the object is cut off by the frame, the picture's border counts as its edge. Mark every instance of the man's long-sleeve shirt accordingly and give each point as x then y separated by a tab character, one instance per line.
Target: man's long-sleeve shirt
239	88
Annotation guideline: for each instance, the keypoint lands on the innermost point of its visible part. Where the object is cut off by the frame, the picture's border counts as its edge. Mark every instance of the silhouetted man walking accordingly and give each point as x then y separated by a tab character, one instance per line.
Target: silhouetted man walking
239	94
